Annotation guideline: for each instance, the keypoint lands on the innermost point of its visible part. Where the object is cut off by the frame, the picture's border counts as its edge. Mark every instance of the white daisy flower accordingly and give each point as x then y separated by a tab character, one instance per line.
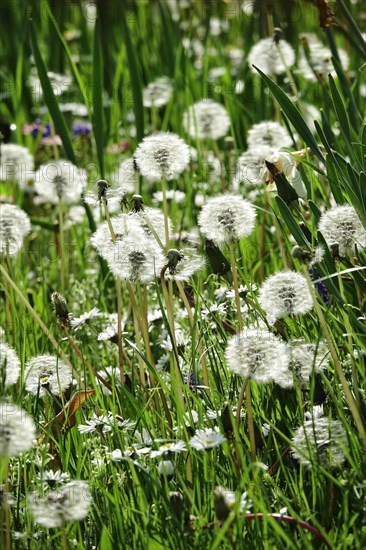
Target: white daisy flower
206	439
168	448
226	501
78	322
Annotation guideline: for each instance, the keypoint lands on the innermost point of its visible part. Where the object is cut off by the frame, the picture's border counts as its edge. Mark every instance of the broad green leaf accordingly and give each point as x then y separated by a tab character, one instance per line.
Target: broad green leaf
106	542
50	99
292	114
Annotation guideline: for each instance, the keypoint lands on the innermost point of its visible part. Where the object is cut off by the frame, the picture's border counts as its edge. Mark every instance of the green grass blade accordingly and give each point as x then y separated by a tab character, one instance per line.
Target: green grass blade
291	223
98	122
340	110
292	114
135	79
50	99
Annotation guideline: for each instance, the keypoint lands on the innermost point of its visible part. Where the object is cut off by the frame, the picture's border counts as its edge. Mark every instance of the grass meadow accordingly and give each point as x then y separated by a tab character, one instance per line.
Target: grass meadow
183	255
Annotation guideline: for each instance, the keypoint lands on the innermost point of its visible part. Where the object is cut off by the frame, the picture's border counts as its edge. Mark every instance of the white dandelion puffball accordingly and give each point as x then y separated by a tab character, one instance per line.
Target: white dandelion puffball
307	358
16	163
320	59
162	155
157	93
133	259
250	165
227	218
270	57
285	294
14	227
47	372
259	355
342	226
17	430
59	181
206	119
268	133
323	441
70	502
9	365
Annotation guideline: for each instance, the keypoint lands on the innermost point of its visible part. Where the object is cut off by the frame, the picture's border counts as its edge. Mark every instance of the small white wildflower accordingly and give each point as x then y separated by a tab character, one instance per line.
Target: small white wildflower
78	322
226	501
14	227
52	478
157	93
206	119
166	468
47	371
260	355
270	57
341	226
70	502
102	424
16	163
59	181
17	430
285	294
169	448
206	439
162	155
9	365
227	218
323	440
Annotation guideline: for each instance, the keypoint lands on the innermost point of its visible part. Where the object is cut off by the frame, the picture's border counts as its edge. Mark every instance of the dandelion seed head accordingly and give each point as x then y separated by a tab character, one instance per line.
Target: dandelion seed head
320	60
47	372
162	155
285	294
260	355
59	181
157	93
14	227
341	225
307	358
70	502
182	264
9	365
16	163
206	119
227	218
17	430
270	56
326	439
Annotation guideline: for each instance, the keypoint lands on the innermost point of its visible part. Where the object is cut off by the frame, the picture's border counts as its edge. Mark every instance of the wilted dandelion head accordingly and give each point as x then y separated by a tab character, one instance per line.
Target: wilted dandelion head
59	181
182	264
341	226
268	133
259	355
14	227
285	294
158	92
9	365
227	218
162	155
135	259
322	441
17	430
307	358
270	56
206	119
47	372
16	163
70	502
285	164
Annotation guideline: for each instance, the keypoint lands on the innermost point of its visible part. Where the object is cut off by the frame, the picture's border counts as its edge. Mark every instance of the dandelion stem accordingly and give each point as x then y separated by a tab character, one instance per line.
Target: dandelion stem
338	367
61	245
166	213
246	387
